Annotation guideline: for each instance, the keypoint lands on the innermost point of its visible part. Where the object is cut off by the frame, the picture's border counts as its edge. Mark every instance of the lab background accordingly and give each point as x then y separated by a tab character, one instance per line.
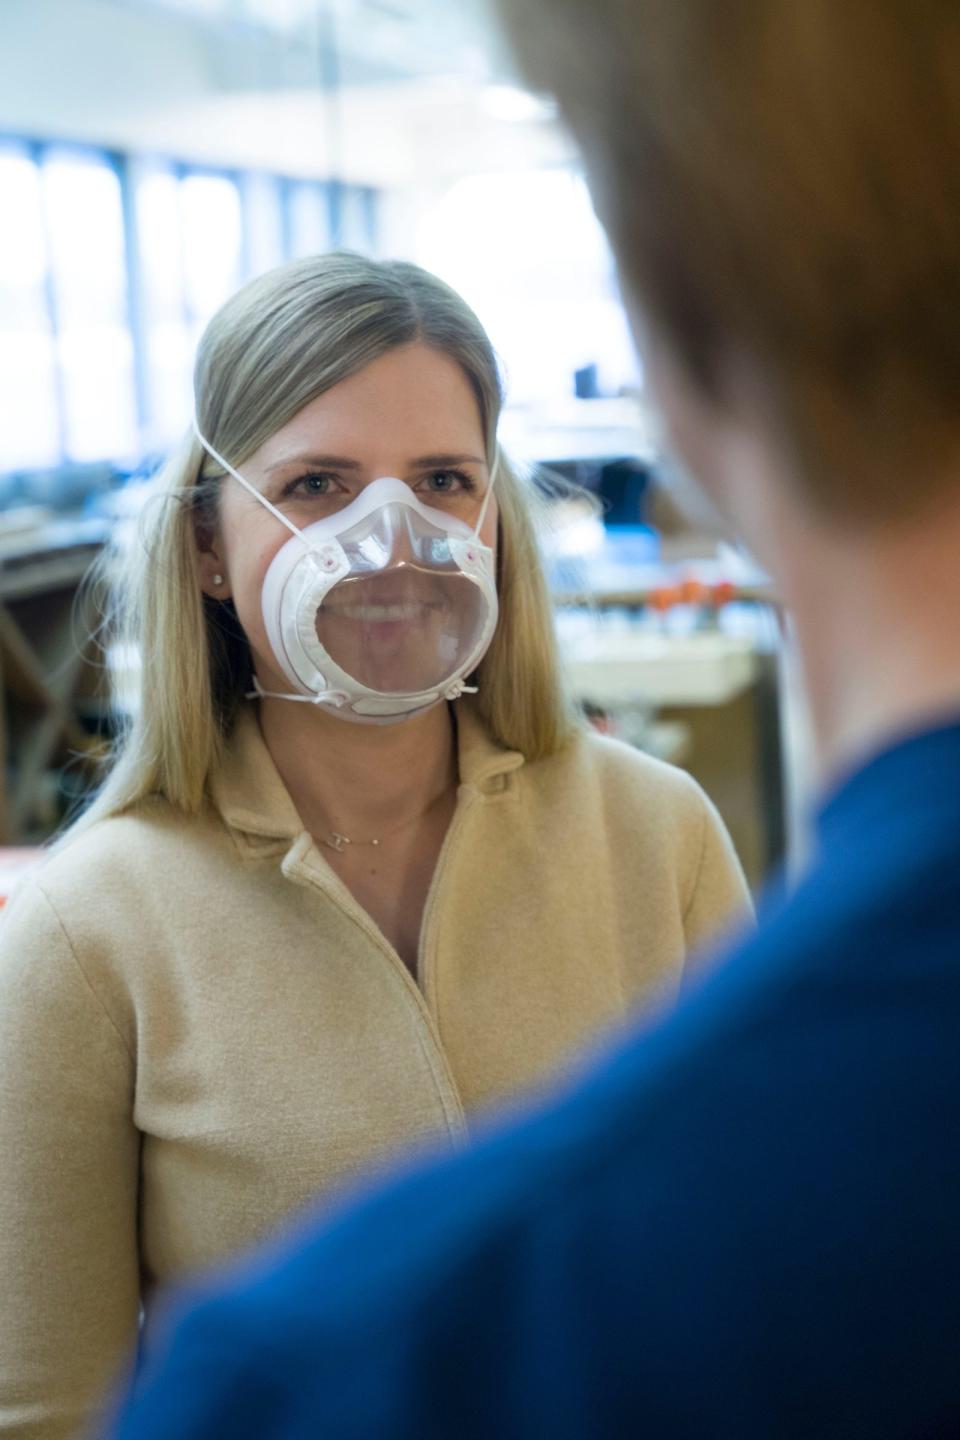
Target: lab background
156	154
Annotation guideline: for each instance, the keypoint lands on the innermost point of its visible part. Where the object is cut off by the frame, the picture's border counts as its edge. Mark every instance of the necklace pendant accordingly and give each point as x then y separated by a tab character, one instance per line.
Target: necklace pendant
338	842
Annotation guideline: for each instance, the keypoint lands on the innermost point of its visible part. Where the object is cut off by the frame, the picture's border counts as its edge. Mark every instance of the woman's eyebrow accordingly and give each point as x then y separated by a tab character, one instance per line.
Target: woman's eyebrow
426	461
329	462
342	462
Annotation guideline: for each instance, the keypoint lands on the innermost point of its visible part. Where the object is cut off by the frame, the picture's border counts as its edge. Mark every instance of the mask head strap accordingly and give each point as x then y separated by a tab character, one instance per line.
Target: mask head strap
215	455
486	499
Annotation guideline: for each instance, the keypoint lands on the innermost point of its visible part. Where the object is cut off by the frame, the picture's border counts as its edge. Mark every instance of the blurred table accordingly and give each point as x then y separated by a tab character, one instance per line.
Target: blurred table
720	686
612	668
47	625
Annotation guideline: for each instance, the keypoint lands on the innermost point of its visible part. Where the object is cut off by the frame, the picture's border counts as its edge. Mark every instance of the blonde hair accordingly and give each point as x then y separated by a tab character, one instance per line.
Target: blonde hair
281	341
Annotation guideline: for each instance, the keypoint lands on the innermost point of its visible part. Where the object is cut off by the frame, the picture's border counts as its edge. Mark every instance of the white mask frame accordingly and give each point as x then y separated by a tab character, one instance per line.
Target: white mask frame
289	611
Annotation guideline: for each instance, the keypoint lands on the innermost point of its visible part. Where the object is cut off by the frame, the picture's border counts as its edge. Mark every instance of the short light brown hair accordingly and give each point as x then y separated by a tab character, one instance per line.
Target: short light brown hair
780	180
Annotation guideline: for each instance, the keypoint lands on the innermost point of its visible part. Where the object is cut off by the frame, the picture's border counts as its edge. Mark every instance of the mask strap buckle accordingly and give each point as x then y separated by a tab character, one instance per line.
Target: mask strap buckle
322	697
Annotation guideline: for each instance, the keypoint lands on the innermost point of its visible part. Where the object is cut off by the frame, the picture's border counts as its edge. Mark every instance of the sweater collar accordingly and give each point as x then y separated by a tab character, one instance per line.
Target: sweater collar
251	797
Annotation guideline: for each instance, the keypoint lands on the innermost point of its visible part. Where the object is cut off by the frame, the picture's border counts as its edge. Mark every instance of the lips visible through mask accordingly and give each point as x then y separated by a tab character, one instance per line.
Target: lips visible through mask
402	628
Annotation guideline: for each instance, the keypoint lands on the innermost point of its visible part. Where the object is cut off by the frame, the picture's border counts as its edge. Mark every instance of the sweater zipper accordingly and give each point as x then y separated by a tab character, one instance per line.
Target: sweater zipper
450	1094
447	1089
427	947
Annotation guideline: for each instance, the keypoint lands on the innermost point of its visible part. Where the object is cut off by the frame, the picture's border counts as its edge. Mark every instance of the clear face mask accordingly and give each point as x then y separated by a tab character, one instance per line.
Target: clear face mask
382	609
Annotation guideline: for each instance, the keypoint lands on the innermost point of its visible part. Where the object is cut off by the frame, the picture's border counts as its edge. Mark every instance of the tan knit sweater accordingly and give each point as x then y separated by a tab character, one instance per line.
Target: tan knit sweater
200	1029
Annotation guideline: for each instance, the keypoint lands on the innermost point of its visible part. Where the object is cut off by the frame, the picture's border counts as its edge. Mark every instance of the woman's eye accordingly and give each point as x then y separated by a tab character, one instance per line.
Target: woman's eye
448	482
312	484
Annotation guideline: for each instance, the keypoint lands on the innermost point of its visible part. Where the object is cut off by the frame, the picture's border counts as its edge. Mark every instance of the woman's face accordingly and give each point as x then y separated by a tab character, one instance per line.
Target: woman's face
410	414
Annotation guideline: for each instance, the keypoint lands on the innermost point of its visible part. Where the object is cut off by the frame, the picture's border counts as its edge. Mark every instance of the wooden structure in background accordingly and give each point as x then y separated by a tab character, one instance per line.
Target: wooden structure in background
49	671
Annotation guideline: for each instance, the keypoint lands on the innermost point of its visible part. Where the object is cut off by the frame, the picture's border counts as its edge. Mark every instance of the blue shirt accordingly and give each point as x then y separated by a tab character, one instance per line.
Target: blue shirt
743	1223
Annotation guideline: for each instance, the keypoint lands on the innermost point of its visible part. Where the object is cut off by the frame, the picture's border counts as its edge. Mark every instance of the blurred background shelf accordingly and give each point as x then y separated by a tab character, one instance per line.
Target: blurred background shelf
49	673
718	701
613	669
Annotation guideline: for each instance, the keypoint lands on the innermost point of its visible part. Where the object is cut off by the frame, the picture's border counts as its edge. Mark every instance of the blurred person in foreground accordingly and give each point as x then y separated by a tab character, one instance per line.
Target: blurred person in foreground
745	1223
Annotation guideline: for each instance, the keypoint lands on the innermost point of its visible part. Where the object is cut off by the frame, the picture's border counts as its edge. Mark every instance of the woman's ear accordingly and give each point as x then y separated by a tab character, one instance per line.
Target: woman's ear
214	580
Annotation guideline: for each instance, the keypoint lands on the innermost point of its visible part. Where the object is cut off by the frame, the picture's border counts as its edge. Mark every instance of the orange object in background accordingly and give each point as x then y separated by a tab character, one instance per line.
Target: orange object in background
15	862
663	598
693	592
723	592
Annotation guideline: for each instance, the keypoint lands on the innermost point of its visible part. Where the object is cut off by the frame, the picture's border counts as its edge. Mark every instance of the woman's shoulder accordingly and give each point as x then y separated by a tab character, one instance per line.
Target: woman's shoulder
624	775
75	928
114	858
642	812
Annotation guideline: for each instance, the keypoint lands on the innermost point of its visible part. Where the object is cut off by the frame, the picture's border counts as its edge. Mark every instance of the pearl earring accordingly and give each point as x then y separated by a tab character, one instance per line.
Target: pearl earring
218	579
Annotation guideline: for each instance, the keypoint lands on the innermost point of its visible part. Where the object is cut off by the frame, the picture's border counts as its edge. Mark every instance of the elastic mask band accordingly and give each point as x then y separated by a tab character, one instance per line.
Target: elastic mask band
337	698
215	455
486	499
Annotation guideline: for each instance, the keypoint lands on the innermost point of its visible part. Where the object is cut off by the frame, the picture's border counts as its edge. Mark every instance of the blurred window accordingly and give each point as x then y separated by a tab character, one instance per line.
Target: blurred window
29	413
189	231
310	227
212	222
88	273
109	271
527	252
167	354
358	218
266	244
324	216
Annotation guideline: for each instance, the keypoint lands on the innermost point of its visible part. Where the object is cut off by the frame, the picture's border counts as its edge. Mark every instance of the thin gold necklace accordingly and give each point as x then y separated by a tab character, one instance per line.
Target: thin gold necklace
335	840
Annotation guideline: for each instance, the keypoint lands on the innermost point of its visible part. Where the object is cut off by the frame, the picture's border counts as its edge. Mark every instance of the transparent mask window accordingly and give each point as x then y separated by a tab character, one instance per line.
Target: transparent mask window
403	629
396	534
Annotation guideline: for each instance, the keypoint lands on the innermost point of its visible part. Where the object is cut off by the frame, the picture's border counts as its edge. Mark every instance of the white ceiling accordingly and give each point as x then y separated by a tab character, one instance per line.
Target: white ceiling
410	93
376	39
